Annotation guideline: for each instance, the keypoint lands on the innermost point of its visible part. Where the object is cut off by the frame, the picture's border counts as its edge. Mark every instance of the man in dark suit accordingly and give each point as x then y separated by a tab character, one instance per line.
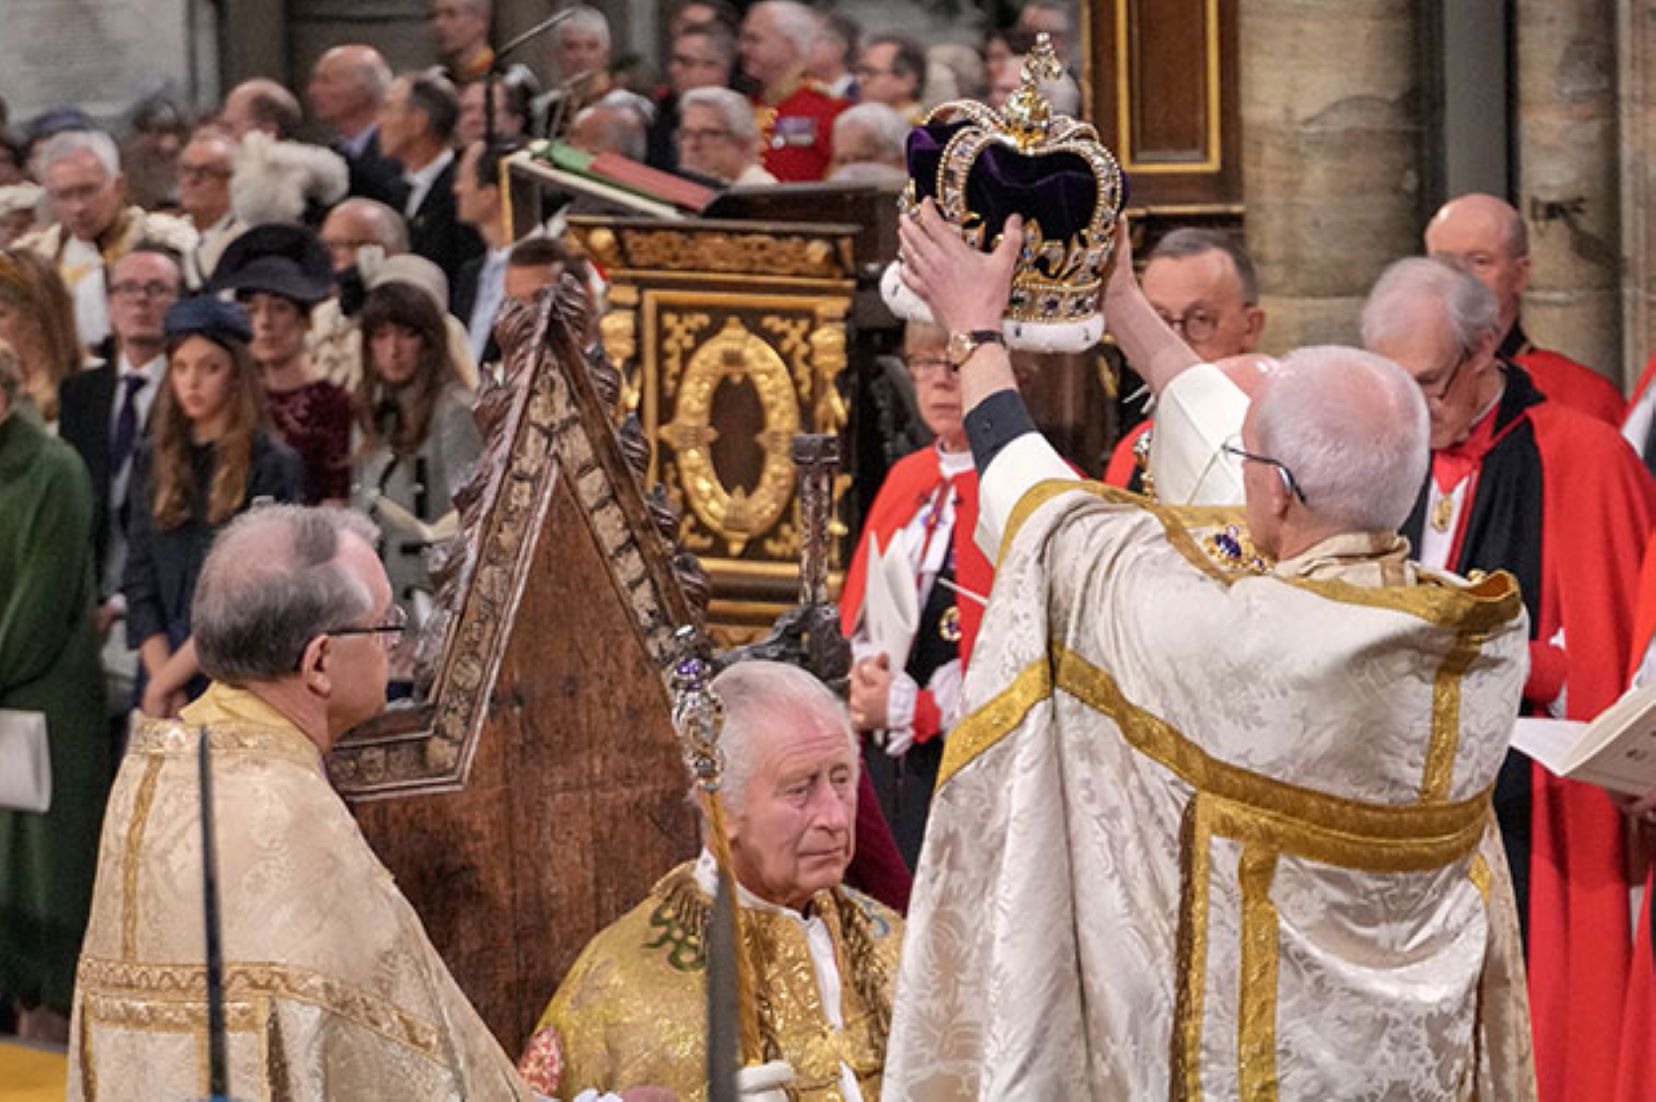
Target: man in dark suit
481	287
416	127
105	411
347	92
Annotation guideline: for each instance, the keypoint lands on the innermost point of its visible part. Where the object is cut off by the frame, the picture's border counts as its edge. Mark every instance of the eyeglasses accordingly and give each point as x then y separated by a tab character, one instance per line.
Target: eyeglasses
1439	389
129	288
1233	446
922	366
396	622
1196	324
710	134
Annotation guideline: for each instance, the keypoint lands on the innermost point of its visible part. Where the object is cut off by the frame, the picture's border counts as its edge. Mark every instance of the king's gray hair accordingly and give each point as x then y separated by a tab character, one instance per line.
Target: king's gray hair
762	696
272	583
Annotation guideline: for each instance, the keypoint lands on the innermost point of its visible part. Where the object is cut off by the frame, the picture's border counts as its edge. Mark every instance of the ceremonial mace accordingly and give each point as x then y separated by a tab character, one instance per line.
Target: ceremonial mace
218	1088
698	717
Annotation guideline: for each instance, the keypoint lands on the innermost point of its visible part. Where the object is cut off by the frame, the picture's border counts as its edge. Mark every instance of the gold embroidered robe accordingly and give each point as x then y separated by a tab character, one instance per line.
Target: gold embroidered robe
1210	832
331	988
633	1010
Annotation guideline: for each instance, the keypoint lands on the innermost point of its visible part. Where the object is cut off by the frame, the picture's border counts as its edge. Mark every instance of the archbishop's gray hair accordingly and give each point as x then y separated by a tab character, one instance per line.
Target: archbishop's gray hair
733	107
271	584
1469	308
61	147
794	21
583	17
763	696
880	122
1353	428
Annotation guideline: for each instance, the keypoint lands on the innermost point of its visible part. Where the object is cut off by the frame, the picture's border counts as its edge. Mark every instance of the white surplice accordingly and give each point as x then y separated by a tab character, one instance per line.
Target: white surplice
1214	828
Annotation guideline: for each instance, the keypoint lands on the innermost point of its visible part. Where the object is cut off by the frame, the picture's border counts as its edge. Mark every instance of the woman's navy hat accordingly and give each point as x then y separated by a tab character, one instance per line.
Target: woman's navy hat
207	316
279	259
981	167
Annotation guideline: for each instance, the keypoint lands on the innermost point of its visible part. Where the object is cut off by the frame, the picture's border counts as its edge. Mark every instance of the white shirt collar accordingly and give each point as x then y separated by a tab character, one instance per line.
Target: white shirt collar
421	180
151	369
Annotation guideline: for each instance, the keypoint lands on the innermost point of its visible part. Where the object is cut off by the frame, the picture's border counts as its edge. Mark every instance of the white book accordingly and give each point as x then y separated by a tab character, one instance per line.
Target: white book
1615	751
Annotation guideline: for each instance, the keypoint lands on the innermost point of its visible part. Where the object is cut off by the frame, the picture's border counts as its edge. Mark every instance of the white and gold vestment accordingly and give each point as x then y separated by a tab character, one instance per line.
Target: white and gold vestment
1217	828
332	989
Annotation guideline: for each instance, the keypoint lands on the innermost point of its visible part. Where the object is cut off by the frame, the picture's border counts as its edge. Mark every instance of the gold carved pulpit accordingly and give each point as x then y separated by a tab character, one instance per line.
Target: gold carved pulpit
731	338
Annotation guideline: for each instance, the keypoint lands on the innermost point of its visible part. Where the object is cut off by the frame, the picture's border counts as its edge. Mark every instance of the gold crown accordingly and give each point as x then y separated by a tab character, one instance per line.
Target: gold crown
1061	267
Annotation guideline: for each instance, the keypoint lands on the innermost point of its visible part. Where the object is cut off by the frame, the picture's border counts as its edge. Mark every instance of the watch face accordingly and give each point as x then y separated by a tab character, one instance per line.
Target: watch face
960	348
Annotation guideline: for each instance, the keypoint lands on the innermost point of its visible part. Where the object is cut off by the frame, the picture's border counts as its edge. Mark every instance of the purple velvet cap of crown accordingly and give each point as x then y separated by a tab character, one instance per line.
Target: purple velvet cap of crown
1058	188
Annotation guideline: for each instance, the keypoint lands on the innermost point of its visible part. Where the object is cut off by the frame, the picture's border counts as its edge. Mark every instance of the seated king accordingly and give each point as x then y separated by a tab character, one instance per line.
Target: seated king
632	1012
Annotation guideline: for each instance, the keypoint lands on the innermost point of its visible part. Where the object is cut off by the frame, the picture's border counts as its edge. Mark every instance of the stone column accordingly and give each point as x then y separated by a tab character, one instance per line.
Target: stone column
1637	81
1568	177
1331	146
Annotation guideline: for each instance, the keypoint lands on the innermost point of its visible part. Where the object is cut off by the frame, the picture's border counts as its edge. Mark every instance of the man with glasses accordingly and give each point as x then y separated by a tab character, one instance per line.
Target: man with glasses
1198	744
1523	483
81	170
328	975
204	195
916	566
105	415
1201	282
702	55
1487	237
719	138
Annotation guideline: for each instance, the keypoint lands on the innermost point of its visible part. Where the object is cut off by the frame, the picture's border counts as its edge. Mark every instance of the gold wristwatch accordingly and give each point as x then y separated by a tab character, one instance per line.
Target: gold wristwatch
962	345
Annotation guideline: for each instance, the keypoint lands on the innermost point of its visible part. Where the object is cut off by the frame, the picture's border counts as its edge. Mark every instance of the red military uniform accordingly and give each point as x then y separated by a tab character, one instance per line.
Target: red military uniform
1563	380
796	131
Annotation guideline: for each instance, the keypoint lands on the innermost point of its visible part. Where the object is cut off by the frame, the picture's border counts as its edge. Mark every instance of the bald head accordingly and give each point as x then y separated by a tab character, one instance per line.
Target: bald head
1487	237
347	86
1352	428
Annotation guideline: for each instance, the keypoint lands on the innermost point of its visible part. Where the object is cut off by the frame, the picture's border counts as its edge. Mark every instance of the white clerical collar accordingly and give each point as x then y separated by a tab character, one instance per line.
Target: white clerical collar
707	879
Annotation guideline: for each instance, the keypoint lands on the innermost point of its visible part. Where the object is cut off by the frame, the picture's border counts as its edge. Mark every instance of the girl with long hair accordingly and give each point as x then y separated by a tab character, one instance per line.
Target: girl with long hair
37	318
416	442
209	456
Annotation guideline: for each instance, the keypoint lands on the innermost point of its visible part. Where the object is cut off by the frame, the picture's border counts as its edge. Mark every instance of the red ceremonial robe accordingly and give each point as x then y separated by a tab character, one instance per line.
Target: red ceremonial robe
908	486
1636	1076
1563	503
1564	380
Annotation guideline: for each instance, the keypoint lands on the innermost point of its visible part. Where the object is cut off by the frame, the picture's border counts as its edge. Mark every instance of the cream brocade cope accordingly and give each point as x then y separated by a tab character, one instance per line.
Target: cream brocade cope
1215	833
633	1009
332	989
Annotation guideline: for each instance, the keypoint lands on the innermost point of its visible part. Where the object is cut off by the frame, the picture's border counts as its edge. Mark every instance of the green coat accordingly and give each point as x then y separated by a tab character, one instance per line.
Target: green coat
49	663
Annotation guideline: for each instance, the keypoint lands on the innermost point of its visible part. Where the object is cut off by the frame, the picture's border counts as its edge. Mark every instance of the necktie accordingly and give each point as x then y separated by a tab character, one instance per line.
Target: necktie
126	422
